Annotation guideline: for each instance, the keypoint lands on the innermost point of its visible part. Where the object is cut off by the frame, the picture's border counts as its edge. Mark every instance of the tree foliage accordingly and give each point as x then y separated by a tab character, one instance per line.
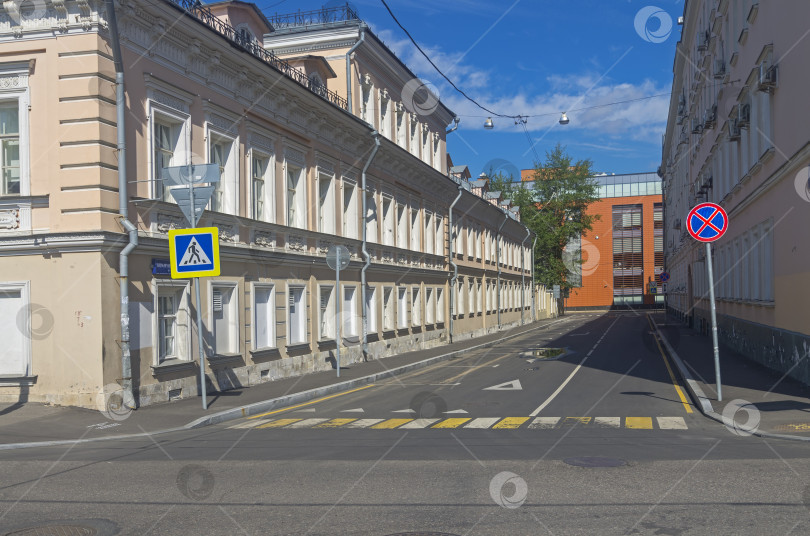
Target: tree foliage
554	206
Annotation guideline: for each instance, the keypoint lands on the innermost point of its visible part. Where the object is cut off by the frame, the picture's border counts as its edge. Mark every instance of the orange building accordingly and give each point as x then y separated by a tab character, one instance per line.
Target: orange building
623	255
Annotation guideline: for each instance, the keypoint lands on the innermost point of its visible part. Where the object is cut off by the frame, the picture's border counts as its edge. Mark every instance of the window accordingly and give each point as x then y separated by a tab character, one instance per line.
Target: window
221	151
479	297
388	221
426	152
262	189
326	312
326	203
470	239
388	308
460	298
349	311
371	309
349	209
371	217
402	225
296	197
401	134
430	306
415	246
471	297
15	357
367	103
478	242
169	136
172	319
439	235
628	273
225	319
439	305
297	315
437	161
402	311
429	232
385	118
264	316
14	130
416	306
414	136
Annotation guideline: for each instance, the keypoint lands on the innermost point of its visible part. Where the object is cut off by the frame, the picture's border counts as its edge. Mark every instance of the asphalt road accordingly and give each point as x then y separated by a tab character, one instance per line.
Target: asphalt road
597	440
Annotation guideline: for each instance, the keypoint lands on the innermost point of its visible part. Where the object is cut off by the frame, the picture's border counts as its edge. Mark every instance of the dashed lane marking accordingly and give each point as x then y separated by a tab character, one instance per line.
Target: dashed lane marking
363	423
544	422
454	422
671	423
482	423
419	423
640	423
608	422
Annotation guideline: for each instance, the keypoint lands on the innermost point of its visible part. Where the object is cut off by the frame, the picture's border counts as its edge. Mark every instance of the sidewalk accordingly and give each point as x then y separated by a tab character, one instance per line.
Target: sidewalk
756	400
35	422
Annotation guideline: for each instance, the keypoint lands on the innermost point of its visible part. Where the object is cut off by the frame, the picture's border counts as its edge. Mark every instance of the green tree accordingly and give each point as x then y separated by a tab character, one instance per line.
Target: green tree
554	206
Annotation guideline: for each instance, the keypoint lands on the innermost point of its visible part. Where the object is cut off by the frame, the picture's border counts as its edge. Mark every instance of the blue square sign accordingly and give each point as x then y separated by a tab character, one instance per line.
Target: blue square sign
194	252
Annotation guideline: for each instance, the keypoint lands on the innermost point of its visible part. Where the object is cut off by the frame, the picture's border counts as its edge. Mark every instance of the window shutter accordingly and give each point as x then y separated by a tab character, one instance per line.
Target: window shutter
217	301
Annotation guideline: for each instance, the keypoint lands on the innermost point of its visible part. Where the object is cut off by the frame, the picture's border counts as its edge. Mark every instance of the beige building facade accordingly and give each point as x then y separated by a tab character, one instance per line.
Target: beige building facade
739	135
301	170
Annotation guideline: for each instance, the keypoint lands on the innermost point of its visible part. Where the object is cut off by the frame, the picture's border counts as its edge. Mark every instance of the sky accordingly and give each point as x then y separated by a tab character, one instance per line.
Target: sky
538	58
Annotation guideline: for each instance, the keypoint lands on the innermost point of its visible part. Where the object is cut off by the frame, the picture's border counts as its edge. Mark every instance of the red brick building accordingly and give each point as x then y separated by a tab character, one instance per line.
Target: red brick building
623	254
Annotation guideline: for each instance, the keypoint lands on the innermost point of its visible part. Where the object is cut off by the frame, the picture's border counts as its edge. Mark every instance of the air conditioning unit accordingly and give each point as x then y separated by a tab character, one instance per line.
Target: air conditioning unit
697	126
767	78
734	130
710	117
744	115
719	68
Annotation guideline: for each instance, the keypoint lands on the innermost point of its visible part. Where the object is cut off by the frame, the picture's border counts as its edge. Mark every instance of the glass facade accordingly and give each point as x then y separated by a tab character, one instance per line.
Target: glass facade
628	254
628	185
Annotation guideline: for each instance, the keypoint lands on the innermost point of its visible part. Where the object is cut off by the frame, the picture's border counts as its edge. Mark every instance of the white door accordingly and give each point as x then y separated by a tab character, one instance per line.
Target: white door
13	329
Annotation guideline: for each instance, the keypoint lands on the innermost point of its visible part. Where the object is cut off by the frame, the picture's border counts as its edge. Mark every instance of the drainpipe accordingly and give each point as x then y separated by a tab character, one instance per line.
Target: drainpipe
523	276
534	290
453	264
498	258
131	230
366	256
349	66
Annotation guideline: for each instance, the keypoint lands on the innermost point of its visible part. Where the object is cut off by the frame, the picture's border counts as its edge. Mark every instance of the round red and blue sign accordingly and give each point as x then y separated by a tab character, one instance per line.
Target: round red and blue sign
707	222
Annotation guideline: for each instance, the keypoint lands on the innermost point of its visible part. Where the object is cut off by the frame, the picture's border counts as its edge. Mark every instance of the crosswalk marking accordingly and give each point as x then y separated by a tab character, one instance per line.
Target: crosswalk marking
335	423
391	424
278	423
510	423
418	423
608	422
544	422
363	423
641	423
452	422
482	423
671	423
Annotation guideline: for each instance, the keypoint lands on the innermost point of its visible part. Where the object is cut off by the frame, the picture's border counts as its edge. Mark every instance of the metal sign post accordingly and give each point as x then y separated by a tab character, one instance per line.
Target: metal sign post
337	258
185	178
706	223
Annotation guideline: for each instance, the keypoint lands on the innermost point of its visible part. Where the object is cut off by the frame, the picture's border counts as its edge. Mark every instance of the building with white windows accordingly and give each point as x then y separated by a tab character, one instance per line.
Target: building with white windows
738	135
306	161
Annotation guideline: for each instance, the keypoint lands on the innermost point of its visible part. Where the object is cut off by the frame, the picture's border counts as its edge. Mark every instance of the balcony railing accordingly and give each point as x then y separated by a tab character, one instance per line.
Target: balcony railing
243	41
318	17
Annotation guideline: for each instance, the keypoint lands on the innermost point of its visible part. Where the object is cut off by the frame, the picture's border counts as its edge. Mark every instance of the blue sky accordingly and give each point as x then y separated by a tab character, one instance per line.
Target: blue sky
531	57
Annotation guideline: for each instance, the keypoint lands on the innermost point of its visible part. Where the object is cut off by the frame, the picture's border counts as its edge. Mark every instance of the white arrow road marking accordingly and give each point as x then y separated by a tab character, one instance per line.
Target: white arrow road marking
403	411
514	385
355	410
311	410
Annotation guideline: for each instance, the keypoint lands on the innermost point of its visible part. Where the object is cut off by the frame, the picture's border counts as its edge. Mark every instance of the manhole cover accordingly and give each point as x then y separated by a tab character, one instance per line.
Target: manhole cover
595	461
56	530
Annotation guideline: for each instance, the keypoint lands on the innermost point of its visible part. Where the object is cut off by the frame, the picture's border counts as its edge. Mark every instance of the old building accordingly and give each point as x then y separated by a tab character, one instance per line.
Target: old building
306	161
738	135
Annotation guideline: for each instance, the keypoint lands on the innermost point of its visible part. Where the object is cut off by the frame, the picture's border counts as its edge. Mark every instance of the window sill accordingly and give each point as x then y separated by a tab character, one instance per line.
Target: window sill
173	365
402	331
327	344
223	359
297	346
269	353
372	336
12	380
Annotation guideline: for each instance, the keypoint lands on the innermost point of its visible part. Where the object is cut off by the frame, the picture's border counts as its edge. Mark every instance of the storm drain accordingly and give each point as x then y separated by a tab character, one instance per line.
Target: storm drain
595	461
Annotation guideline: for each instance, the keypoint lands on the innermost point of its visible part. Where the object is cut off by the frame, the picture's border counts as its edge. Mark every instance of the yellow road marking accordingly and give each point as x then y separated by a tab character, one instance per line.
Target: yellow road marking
571	421
390	424
511	422
669	369
451	423
639	423
311	402
334	423
278	423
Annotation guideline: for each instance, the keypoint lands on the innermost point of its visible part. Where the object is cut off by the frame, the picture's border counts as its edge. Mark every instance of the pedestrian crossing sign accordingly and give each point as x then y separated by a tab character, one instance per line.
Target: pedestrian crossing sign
194	252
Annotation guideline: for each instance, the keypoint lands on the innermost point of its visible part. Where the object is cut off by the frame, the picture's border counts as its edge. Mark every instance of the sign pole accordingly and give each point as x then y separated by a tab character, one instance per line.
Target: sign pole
339	318
199	307
714	322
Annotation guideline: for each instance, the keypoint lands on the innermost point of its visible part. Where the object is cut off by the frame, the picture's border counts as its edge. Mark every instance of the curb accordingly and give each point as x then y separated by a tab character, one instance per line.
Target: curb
282	401
705	404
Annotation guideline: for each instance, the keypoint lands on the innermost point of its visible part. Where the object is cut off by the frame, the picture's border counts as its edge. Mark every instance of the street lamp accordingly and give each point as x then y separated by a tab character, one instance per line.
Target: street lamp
564	119
488	124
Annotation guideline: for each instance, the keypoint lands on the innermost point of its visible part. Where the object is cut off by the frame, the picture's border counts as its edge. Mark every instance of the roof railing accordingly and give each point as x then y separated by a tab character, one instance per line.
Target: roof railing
245	42
318	17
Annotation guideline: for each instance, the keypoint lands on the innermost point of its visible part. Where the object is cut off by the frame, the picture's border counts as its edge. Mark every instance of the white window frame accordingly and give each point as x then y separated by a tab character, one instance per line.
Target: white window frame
401	126
181	288
326	315
298	205
228	185
430	234
371	216
325	204
415	228
403	222
268	212
402	307
296	330
350	325
350	210
24	288
19	72
388	219
271	315
371	309
439	235
389	308
416	305
181	153
385	115
430	306
233	317
439	305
